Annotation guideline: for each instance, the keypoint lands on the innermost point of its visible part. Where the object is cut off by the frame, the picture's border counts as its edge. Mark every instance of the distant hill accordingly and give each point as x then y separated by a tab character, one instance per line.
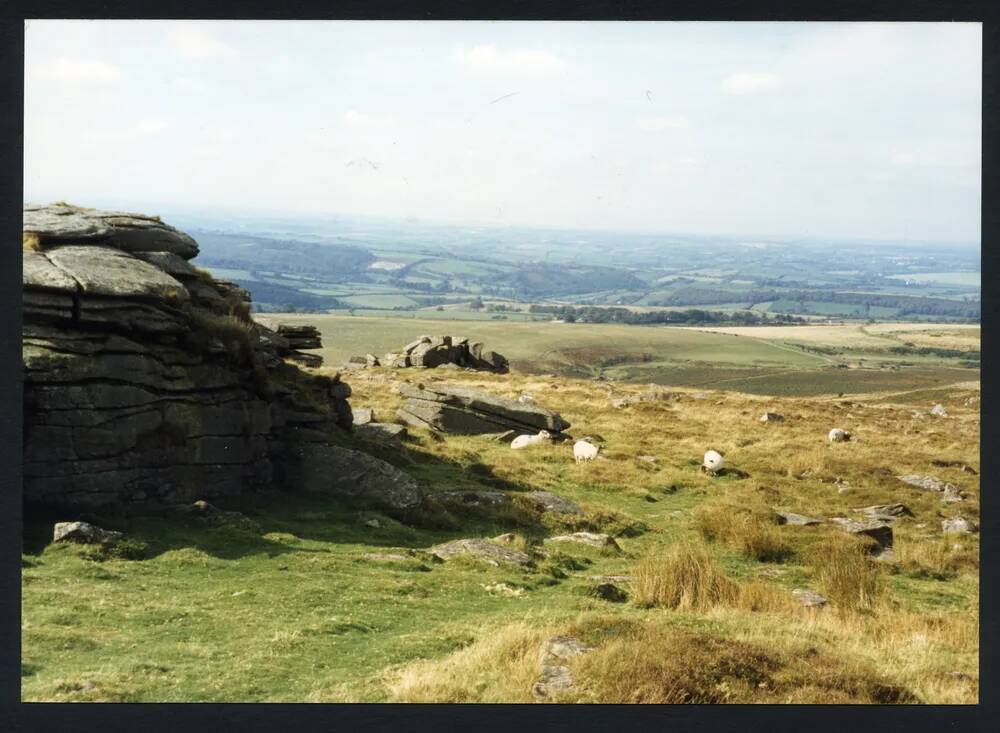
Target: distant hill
245	252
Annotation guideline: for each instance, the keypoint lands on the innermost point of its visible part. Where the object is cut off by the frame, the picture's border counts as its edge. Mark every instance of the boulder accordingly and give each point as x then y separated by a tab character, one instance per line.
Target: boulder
554	677
107	272
431	352
83	533
467	411
382	430
362	415
484	550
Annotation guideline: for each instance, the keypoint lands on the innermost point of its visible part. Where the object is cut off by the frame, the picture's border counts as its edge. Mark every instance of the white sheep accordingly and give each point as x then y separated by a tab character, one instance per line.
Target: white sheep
712	461
584	450
838	435
523	441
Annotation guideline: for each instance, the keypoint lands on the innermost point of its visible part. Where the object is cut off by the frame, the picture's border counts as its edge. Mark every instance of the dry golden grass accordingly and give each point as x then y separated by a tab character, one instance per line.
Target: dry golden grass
31	241
500	666
684	577
752	530
845	573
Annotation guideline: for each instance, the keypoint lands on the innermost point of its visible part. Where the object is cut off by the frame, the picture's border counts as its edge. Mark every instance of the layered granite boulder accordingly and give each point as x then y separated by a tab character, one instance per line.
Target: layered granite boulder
147	382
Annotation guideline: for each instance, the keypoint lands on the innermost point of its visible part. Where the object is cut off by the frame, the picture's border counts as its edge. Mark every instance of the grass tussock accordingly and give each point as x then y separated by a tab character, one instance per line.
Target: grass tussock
661	664
684	577
752	531
500	666
845	574
942	559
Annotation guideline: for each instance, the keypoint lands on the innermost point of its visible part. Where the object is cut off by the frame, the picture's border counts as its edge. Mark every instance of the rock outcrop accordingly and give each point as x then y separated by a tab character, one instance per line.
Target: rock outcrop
453	409
434	351
289	340
147	383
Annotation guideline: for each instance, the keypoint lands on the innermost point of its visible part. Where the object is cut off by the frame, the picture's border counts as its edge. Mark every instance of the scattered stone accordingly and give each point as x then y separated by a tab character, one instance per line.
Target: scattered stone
954	464
374	524
475	499
809	598
609	592
712	462
959	525
885	512
646	459
878	531
83	533
554	676
949	492
593	539
939	411
797	519
483	550
772	417
466	411
584	450
362	415
838	435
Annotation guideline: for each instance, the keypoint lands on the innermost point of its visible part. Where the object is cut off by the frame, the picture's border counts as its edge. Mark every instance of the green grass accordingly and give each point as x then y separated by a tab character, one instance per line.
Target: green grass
289	609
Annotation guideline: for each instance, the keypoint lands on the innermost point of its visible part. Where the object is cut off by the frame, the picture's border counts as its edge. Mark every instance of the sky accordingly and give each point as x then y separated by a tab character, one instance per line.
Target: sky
860	130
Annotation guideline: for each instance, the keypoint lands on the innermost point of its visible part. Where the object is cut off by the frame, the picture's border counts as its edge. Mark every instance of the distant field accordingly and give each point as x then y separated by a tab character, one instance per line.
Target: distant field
764	360
942	278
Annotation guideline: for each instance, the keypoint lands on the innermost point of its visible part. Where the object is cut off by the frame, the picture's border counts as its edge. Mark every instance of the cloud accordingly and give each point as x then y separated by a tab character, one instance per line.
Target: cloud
486	60
151	127
751	82
198	43
354	118
79	71
190	85
655	124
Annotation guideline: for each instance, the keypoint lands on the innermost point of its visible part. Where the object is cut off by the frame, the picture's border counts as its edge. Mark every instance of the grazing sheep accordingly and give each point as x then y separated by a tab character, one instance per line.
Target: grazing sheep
523	441
712	461
584	450
838	435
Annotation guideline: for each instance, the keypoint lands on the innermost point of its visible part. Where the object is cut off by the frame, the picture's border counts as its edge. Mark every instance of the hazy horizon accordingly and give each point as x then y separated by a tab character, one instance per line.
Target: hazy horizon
815	130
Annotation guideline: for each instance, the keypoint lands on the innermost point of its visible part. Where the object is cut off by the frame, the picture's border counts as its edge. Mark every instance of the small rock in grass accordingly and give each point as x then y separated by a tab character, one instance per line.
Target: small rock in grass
880	532
809	598
885	512
939	411
554	676
373	523
797	519
959	525
83	533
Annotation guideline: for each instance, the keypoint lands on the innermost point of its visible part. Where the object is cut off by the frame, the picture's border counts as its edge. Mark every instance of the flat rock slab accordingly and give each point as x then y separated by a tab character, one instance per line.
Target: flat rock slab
885	512
878	531
473	498
467	411
381	430
55	223
83	533
323	468
108	272
483	550
554	676
593	539
797	519
546	501
39	273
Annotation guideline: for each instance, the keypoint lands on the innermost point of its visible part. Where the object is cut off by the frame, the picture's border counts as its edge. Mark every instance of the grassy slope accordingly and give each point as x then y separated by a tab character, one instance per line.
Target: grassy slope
295	613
